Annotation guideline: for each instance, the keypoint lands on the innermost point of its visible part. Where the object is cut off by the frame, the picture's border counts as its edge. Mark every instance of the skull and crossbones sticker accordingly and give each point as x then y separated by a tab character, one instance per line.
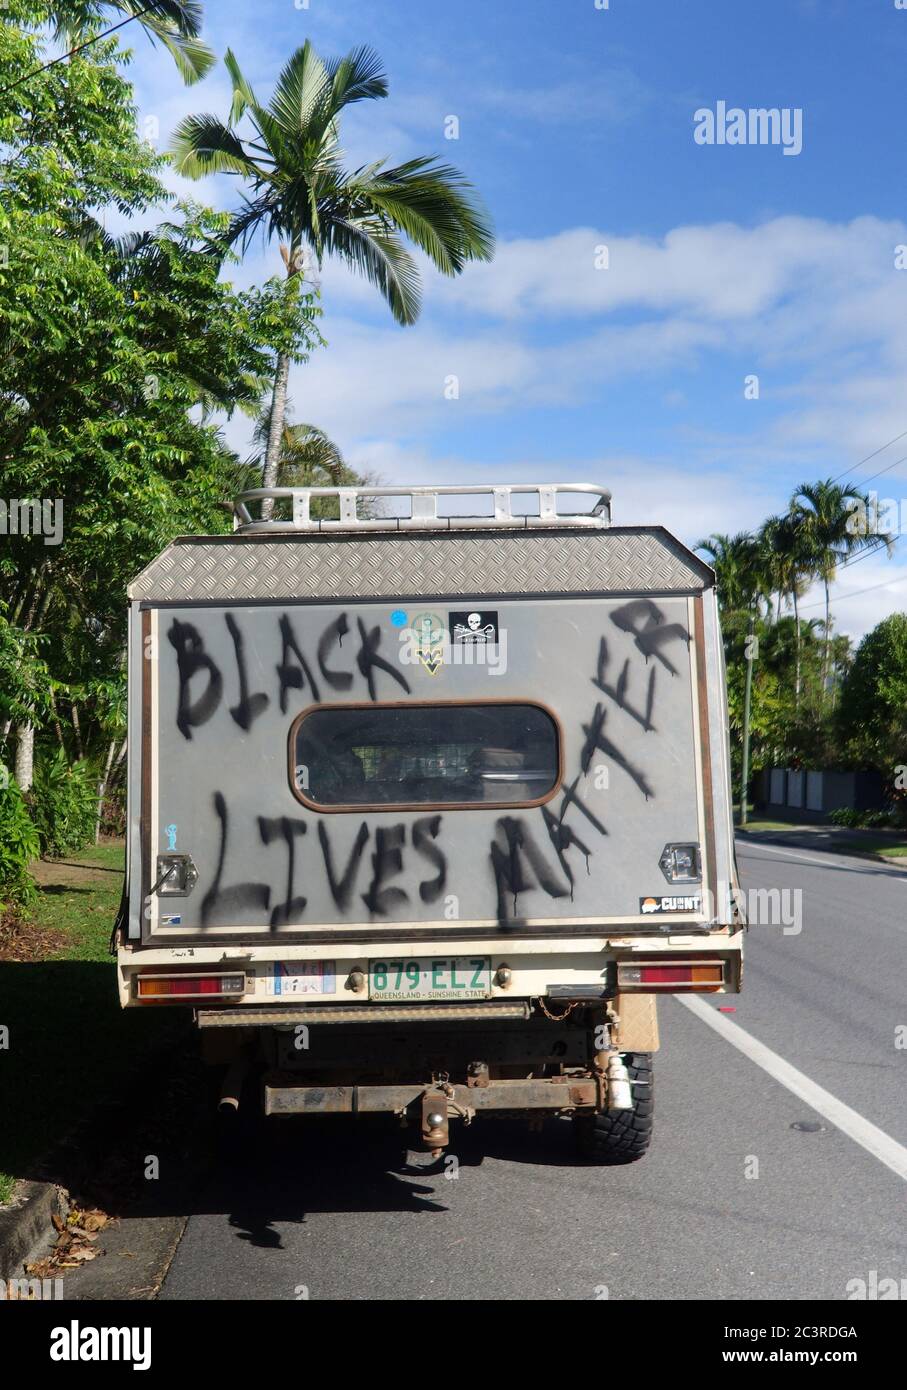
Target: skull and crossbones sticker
474	627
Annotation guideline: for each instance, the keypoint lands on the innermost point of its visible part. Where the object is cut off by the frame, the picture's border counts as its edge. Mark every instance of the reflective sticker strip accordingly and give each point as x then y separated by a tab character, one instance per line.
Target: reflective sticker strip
301	977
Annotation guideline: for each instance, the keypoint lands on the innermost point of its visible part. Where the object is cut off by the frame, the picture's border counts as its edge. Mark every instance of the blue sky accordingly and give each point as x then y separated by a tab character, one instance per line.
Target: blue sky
577	125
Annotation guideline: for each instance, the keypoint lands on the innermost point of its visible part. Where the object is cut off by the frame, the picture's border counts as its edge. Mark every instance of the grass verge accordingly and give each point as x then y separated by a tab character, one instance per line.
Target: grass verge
765	825
70	1046
860	842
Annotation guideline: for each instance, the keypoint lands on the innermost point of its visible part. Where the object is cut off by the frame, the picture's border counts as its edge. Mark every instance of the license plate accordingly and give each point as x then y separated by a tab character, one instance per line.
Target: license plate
438	977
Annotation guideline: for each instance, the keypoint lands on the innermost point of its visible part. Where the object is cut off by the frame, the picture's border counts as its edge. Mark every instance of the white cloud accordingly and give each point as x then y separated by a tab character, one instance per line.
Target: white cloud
863	594
372	378
722	271
816	309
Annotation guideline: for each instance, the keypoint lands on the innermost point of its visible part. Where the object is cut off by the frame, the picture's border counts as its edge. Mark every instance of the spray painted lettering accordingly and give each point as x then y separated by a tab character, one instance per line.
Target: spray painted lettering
381	896
196	706
518	865
382	868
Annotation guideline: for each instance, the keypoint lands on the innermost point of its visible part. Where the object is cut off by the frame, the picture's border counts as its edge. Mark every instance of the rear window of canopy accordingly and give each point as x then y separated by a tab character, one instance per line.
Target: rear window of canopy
411	755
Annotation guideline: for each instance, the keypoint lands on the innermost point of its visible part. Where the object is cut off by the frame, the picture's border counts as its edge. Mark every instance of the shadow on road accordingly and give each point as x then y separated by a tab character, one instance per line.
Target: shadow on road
158	1148
286	1168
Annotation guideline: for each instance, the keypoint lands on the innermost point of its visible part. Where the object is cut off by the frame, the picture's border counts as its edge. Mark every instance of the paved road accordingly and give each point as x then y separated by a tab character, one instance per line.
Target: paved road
523	1221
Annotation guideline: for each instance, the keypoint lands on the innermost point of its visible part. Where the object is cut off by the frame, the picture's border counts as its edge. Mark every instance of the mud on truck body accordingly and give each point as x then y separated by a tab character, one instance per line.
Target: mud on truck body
426	810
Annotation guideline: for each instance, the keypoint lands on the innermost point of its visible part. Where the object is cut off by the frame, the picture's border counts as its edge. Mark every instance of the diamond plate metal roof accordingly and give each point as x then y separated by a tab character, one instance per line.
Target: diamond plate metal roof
295	568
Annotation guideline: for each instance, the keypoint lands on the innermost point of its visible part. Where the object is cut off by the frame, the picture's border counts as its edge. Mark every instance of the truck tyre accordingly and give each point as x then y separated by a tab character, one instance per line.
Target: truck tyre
621	1136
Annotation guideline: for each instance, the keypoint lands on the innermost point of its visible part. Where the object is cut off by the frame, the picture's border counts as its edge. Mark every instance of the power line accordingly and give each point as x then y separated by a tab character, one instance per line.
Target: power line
880	450
883	470
78	49
855	560
881	544
854	593
865	554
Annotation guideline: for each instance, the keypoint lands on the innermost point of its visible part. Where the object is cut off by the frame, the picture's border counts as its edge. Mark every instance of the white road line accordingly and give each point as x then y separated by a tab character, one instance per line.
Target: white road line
863	1132
827	862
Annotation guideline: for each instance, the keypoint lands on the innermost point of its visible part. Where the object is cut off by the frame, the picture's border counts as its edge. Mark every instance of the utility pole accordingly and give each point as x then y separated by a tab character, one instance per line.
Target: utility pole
745	770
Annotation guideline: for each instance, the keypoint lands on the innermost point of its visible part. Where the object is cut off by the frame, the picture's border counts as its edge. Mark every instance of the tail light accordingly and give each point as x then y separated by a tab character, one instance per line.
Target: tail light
670	976
189	986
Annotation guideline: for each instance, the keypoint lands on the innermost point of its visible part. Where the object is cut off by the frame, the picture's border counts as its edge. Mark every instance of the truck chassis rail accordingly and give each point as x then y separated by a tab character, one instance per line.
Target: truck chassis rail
561	1093
483	1011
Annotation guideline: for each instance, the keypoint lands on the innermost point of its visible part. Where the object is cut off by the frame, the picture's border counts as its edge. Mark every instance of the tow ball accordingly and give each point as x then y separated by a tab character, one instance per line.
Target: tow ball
435	1123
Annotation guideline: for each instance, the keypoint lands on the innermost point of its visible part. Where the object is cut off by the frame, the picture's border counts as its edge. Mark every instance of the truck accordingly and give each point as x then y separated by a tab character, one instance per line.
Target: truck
429	799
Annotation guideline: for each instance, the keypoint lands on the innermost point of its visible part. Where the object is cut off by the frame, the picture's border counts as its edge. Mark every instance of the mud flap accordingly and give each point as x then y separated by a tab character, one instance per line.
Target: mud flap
638	1027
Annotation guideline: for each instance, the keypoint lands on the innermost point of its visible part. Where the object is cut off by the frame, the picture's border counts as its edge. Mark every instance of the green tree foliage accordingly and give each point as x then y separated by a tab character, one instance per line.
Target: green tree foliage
63	802
804	691
113	353
25	681
19	845
790	720
740	569
824	513
873	707
174	23
119	359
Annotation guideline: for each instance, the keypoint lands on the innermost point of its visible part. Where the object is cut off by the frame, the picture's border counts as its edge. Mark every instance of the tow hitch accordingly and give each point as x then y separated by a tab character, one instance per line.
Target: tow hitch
433	1104
435	1126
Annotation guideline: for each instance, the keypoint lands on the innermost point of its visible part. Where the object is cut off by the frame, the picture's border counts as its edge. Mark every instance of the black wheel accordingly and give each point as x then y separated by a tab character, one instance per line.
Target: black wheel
621	1136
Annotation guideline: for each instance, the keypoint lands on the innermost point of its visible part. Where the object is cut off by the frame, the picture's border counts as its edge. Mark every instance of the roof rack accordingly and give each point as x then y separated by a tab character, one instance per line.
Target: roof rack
423	508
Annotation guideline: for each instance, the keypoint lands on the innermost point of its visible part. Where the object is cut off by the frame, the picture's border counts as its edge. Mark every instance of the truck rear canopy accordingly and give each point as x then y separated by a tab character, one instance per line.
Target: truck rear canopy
439	732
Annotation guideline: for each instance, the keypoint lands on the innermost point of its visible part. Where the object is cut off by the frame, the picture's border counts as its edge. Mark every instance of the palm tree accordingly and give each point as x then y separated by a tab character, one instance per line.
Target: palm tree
790	561
176	23
767	537
778	648
301	193
841	661
824	512
308	458
744	579
740	569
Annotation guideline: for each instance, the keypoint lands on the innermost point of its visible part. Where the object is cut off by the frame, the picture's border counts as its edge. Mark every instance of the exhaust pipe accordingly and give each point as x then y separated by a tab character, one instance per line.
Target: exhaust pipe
231	1090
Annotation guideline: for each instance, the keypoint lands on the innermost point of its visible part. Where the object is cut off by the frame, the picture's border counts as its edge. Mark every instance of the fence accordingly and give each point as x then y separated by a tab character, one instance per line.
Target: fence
799	794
